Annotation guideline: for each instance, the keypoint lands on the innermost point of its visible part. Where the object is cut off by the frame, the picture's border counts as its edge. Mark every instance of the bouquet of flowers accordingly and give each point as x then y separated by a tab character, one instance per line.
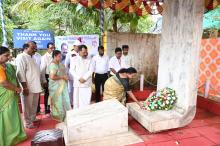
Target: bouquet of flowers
163	99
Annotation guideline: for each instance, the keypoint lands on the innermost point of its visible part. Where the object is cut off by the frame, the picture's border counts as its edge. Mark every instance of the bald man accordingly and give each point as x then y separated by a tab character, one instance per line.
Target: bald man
28	74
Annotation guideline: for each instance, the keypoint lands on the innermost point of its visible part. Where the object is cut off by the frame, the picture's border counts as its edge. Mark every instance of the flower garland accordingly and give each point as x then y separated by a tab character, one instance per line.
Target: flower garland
163	99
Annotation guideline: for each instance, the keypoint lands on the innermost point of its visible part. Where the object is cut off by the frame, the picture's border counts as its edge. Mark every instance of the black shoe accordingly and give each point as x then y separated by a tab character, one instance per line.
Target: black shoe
47	111
38	110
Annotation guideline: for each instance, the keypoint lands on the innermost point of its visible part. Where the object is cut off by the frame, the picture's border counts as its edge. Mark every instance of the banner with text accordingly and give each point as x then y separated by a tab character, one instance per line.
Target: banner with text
66	42
20	36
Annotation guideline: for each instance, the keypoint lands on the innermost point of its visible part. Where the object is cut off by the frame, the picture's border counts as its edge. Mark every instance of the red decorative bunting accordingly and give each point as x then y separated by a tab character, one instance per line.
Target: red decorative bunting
140	7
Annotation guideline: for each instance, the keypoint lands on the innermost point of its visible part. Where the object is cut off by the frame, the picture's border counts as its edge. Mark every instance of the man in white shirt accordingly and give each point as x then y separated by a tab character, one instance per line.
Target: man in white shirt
45	62
37	58
82	70
126	58
115	63
101	63
69	56
28	74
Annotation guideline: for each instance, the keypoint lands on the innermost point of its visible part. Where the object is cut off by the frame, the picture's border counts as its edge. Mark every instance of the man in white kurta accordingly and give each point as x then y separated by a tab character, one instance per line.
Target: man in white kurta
28	74
45	62
126	58
72	53
82	69
37	58
115	63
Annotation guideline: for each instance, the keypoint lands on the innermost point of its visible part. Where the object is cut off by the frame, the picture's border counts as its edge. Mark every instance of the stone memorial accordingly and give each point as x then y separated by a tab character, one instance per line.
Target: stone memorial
178	65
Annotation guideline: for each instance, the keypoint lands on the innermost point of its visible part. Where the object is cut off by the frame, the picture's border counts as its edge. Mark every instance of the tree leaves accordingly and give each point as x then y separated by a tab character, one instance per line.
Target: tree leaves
65	18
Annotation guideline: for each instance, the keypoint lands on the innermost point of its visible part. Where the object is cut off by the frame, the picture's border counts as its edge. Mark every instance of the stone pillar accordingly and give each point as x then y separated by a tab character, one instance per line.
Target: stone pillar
179	52
178	65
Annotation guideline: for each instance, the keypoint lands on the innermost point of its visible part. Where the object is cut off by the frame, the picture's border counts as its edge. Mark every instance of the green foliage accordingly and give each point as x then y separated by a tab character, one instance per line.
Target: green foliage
144	24
11	21
65	18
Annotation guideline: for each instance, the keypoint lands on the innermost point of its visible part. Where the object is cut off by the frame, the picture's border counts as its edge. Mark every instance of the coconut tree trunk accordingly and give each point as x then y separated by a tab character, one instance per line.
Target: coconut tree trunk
115	27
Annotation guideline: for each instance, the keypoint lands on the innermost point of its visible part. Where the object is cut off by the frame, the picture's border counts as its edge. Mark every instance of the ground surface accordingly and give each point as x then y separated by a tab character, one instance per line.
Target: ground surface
204	130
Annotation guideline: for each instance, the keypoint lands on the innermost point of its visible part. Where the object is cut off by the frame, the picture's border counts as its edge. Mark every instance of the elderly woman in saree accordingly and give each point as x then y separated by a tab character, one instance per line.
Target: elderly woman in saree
117	86
59	95
11	126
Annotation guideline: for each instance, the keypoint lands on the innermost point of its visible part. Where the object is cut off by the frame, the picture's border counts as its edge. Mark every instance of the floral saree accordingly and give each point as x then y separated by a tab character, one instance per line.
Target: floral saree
58	93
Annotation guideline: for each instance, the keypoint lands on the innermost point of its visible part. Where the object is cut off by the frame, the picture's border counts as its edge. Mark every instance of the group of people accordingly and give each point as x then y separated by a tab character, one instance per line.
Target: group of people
66	84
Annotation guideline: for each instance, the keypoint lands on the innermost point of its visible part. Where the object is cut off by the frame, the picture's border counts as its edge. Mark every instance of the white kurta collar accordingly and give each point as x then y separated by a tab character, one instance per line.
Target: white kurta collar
26	54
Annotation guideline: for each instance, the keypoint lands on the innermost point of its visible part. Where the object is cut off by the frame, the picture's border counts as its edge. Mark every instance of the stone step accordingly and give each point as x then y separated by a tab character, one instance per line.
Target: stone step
121	139
157	120
95	121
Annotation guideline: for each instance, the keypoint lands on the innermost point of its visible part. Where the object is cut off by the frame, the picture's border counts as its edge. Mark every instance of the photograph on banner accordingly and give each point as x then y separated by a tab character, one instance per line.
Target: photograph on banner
65	43
42	38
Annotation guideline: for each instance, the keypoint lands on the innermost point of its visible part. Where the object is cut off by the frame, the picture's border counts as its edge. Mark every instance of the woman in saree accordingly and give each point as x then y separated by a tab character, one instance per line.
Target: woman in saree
59	95
117	86
11	126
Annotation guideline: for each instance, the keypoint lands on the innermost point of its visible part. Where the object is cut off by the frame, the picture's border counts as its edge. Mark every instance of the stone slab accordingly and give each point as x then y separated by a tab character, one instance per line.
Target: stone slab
60	126
95	121
122	139
158	120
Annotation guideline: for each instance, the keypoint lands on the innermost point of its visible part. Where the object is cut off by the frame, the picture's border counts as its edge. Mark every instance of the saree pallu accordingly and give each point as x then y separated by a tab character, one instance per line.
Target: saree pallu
114	90
58	93
11	126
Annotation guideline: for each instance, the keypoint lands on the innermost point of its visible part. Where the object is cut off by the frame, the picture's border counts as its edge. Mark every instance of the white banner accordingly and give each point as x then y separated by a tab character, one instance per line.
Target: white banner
66	42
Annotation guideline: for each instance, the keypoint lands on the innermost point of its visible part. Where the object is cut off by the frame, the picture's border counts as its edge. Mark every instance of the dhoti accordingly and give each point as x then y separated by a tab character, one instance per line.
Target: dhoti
82	97
29	107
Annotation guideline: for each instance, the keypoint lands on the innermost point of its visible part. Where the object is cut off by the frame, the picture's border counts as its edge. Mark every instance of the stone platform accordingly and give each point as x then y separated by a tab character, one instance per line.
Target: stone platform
121	139
160	120
95	121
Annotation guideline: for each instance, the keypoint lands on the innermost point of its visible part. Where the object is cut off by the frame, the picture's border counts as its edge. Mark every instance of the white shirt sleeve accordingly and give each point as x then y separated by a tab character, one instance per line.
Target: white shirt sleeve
71	68
21	69
94	63
111	63
43	67
131	61
108	63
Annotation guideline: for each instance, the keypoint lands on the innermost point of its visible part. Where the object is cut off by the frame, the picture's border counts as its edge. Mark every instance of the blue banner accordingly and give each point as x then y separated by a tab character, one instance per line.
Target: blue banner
20	36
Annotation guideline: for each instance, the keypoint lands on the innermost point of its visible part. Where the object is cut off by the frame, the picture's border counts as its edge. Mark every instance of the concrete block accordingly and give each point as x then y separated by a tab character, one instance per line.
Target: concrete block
121	139
96	121
159	120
